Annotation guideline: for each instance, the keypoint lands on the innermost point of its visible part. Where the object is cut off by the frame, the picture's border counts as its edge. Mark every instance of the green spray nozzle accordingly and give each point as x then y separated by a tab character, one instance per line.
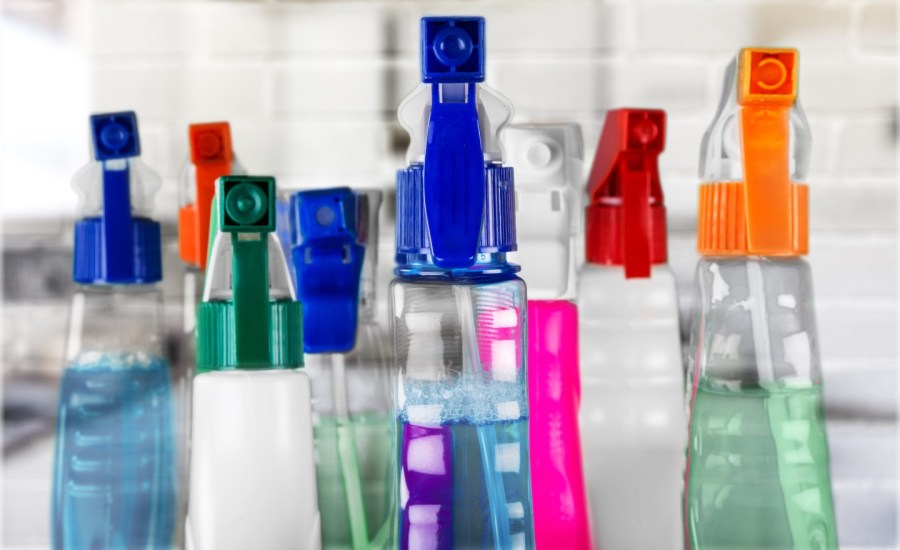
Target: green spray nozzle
249	329
246	206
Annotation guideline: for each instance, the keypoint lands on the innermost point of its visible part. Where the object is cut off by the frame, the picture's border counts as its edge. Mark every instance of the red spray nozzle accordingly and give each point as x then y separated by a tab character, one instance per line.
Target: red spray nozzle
626	218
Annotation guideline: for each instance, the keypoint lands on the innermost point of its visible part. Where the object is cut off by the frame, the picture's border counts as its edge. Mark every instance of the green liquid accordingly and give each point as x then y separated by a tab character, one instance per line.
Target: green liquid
758	471
366	472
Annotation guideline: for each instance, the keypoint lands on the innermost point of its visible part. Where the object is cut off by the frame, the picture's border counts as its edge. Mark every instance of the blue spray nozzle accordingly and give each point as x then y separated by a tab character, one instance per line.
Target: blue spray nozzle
452	49
116	247
457	203
115	136
328	259
453	59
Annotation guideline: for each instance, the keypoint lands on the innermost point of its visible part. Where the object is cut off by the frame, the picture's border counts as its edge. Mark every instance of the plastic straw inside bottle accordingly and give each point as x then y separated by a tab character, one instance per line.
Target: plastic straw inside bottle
487	439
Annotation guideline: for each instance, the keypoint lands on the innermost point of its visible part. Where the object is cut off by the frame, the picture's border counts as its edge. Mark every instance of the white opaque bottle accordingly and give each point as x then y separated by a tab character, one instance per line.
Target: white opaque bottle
548	159
632	411
253	480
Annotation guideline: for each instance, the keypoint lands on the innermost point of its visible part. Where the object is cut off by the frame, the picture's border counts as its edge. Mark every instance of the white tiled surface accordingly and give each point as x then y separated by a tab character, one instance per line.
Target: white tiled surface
311	89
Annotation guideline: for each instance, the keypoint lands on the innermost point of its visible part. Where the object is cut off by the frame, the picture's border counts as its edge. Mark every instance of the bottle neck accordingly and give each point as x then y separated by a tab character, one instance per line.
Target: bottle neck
487	267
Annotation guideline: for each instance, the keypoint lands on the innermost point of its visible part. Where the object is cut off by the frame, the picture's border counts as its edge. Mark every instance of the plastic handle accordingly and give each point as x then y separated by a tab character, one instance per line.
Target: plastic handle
635	220
328	263
454	175
625	174
246	209
211	154
117	224
767	88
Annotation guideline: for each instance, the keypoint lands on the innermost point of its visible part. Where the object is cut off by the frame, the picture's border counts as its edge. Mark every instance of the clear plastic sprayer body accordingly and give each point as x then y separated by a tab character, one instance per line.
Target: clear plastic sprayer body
458	312
334	253
114	477
757	457
758	451
462	413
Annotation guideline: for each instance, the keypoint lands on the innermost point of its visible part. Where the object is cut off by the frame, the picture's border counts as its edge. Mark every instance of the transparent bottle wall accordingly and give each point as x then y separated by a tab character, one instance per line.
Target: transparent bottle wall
462	414
758	463
116	455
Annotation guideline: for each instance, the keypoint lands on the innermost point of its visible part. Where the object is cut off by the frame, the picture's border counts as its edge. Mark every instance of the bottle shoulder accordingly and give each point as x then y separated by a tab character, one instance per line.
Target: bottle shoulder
604	292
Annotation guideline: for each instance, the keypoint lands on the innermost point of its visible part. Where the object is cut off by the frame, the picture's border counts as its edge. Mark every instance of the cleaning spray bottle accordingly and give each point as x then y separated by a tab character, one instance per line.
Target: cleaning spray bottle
114	472
211	156
632	414
548	160
458	310
253	480
332	249
757	471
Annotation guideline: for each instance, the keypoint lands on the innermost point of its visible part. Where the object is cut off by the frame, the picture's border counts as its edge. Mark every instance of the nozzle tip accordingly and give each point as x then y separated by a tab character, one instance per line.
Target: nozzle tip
452	49
325	214
247	204
210	142
767	75
115	135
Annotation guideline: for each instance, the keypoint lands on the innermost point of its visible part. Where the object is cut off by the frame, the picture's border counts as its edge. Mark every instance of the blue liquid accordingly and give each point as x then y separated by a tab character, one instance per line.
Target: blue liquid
114	469
464	481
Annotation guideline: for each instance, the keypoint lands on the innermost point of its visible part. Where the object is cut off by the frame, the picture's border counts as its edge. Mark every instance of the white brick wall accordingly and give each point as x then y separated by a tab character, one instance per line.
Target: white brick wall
311	89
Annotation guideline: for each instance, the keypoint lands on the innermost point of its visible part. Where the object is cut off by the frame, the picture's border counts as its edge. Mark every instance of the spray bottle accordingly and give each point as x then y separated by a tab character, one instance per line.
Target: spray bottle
458	310
632	415
114	473
253	480
333	256
548	160
757	471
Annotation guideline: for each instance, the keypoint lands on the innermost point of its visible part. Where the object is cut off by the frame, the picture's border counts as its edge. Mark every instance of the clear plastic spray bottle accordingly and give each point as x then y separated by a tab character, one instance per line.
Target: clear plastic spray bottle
458	310
757	470
114	472
334	254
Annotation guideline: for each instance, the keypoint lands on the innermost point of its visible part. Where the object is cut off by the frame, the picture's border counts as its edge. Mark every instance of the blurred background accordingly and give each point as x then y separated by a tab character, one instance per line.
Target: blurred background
311	90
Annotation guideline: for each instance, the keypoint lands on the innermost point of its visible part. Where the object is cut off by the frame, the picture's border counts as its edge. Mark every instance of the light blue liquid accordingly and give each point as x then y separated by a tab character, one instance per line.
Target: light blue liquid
114	472
465	478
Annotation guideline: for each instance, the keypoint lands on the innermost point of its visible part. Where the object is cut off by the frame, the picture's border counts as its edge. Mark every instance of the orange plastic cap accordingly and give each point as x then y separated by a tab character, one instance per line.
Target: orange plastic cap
212	155
766	214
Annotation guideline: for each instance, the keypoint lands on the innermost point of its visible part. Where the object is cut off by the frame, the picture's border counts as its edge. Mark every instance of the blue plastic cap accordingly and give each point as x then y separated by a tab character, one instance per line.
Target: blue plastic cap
116	248
452	49
327	260
497	215
115	135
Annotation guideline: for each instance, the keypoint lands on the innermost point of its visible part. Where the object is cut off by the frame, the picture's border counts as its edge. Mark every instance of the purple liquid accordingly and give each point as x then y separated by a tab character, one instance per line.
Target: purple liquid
445	495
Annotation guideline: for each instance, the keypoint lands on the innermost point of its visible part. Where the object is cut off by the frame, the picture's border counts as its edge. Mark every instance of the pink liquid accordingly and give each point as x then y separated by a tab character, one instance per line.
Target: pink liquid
554	394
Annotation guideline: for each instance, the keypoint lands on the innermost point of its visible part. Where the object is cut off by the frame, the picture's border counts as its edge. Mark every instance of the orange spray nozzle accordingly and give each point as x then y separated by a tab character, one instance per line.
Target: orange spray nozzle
212	156
766	214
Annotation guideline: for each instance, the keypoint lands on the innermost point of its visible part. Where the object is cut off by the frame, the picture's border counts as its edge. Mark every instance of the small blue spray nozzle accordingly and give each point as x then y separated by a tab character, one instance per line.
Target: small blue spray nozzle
115	247
452	49
456	204
115	136
328	261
